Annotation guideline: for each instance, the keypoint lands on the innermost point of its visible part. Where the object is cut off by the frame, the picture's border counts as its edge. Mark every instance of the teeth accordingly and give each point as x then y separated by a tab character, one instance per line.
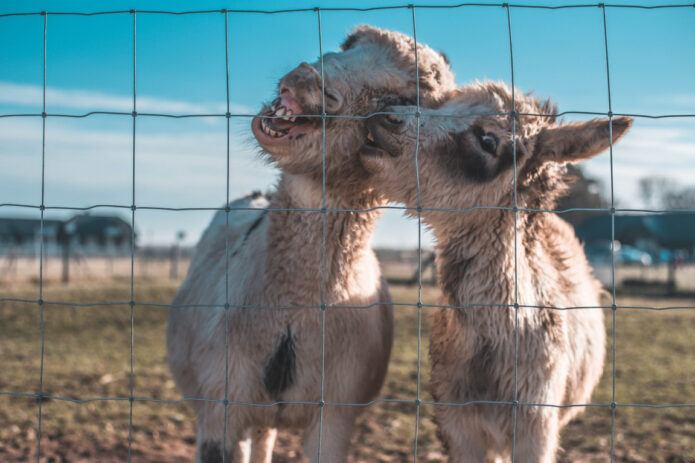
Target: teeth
271	132
370	137
285	113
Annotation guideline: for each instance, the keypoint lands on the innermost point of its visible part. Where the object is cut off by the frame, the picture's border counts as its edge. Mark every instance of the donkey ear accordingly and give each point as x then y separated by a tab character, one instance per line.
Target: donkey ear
578	141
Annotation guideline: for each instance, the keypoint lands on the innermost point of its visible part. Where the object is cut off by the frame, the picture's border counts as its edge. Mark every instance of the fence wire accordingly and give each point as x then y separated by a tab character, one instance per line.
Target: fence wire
321	403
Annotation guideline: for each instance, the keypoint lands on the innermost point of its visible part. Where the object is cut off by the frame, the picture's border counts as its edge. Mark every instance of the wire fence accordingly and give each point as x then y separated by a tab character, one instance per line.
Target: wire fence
41	303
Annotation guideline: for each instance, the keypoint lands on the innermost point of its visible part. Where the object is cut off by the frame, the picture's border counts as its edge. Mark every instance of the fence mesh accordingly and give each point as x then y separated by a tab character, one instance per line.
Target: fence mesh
133	207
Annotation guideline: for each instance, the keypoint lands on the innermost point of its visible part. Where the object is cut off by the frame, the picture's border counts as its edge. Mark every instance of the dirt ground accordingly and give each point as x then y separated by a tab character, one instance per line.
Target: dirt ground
87	355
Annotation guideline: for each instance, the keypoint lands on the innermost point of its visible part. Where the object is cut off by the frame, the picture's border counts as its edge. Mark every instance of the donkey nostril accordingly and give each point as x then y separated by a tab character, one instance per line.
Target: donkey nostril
334	100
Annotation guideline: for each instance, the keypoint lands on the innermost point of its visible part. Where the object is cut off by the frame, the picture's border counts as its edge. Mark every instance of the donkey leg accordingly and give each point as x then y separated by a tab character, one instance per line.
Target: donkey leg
263	441
212	446
336	434
538	436
462	436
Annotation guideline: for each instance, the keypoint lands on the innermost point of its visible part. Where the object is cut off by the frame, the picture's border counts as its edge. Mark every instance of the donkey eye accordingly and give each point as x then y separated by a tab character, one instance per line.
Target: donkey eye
488	142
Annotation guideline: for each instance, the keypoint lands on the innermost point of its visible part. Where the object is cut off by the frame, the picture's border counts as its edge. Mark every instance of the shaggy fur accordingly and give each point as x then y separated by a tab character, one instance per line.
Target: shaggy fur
276	262
467	162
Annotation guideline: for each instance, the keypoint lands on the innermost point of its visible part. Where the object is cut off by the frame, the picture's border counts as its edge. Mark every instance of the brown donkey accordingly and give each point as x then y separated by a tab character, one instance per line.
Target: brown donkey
276	262
465	162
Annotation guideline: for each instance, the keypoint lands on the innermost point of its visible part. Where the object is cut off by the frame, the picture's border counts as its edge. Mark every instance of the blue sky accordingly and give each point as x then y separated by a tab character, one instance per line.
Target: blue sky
181	69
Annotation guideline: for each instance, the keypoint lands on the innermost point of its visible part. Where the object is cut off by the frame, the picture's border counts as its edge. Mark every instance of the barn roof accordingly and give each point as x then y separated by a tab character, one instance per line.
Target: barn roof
22	228
25	228
669	230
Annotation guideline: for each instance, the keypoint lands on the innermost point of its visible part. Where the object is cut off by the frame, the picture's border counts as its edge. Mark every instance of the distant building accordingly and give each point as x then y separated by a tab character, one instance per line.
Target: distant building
84	234
21	232
669	231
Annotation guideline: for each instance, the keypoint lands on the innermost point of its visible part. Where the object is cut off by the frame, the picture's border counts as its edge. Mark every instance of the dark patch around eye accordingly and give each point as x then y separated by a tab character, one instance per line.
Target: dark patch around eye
464	156
481	134
475	167
392	100
489	144
506	157
397	100
476	164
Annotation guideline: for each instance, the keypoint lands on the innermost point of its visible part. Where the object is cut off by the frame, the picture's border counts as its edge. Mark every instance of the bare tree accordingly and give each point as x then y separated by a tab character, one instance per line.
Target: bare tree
666	193
652	188
681	198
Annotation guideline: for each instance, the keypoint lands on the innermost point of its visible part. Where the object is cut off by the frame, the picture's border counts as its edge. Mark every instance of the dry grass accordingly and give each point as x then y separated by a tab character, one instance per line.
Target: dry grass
87	355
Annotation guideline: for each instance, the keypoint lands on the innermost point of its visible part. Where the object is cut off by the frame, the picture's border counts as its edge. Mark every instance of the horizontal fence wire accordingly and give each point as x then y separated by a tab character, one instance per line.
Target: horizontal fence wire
375	8
351	116
132	303
337	404
471	306
616	210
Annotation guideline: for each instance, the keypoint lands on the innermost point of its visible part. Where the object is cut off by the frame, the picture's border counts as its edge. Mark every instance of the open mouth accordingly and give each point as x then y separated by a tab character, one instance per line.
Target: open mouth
282	119
371	146
380	139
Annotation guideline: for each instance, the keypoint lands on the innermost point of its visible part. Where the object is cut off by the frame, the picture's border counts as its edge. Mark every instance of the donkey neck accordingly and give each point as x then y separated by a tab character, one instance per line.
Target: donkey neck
304	251
476	260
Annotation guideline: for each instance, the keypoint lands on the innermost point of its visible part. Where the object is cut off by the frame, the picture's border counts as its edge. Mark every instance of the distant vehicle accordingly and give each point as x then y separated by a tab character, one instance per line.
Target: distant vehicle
632	255
600	254
665	255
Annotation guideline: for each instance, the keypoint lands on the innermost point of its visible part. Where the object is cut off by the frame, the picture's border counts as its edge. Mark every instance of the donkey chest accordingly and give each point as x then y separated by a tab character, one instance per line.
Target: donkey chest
485	362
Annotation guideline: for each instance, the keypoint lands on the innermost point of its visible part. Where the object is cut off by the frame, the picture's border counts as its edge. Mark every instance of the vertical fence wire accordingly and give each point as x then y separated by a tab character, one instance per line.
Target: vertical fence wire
612	212
419	236
41	244
226	244
323	233
512	115
132	250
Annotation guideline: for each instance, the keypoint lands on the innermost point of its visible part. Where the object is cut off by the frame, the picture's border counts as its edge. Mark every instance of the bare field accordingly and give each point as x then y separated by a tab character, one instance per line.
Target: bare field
87	355
21	270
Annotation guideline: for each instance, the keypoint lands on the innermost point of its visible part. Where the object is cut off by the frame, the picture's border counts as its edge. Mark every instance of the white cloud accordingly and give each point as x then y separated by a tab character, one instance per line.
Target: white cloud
84	100
648	149
86	167
686	100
